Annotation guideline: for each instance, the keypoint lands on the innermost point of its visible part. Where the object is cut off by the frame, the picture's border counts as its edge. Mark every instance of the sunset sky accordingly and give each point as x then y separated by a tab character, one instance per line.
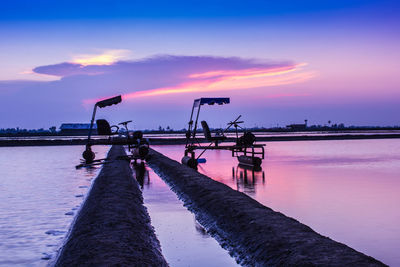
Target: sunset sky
280	61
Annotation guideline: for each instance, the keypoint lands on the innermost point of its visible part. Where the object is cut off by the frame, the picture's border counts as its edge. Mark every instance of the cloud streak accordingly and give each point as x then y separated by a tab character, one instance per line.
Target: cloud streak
231	80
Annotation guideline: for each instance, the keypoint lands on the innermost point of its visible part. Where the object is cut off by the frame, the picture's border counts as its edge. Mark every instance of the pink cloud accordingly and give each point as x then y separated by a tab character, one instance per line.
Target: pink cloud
209	74
231	80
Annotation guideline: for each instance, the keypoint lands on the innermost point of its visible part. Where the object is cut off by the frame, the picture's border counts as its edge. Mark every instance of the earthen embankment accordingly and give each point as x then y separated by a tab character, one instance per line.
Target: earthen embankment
113	227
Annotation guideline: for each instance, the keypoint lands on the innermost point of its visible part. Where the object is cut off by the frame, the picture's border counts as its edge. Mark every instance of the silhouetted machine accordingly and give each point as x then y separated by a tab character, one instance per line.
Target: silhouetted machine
247	152
138	146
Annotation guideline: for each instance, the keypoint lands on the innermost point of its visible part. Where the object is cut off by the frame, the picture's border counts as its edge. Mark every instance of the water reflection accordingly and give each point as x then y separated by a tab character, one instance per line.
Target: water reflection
347	189
141	173
247	177
200	229
90	170
184	242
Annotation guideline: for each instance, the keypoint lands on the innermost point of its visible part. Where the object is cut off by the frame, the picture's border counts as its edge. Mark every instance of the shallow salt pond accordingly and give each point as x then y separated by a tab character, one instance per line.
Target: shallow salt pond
347	190
40	192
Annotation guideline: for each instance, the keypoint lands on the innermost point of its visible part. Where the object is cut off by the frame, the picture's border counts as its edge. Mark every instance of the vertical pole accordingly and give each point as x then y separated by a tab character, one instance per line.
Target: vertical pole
262	148
195	124
191	116
91	123
189	133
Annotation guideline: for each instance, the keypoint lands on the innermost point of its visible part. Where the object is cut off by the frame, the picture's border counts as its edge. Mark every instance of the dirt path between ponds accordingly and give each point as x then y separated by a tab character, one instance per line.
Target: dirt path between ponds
113	227
254	234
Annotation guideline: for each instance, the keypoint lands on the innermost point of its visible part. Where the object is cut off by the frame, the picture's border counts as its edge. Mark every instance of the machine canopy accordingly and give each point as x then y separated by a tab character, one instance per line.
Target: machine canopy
108	102
211	101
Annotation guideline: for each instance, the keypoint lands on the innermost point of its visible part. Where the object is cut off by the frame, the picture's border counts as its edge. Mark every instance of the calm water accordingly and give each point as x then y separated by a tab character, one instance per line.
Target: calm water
347	190
40	192
184	241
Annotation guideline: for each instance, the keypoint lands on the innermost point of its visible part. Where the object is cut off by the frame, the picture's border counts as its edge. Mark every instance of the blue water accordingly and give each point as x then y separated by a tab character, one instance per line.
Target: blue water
40	192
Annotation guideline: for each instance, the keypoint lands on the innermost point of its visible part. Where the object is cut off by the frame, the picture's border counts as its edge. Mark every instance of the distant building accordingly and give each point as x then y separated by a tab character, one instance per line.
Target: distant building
76	128
297	126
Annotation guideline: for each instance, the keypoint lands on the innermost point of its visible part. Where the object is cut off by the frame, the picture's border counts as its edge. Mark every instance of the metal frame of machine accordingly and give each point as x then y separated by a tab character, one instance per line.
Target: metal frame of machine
138	146
245	150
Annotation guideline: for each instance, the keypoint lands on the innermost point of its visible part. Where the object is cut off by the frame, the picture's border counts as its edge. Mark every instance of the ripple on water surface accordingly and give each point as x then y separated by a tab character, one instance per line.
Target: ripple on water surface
38	190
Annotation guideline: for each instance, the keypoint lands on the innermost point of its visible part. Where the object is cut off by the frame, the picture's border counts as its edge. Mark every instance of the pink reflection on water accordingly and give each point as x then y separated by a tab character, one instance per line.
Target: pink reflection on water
346	190
184	242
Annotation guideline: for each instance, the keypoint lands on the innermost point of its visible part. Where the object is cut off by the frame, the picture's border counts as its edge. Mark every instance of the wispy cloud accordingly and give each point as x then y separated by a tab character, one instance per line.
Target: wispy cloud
29	74
223	80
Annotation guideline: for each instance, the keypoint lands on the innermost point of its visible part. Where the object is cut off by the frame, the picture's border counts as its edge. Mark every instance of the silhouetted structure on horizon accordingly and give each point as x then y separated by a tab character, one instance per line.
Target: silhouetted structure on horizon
297	127
75	128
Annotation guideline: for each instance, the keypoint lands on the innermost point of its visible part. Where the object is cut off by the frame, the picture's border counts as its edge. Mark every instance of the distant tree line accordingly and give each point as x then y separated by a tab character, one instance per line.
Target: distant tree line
161	130
27	132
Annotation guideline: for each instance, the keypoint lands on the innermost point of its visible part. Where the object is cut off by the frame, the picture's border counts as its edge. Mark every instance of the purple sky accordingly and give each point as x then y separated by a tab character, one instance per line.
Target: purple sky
279	63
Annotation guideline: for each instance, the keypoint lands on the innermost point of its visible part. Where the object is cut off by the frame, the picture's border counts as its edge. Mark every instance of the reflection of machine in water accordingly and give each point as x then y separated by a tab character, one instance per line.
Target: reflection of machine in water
247	177
200	229
141	173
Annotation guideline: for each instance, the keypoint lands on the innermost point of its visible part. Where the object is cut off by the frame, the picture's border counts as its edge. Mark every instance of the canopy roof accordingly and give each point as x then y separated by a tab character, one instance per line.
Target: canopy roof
108	102
211	101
